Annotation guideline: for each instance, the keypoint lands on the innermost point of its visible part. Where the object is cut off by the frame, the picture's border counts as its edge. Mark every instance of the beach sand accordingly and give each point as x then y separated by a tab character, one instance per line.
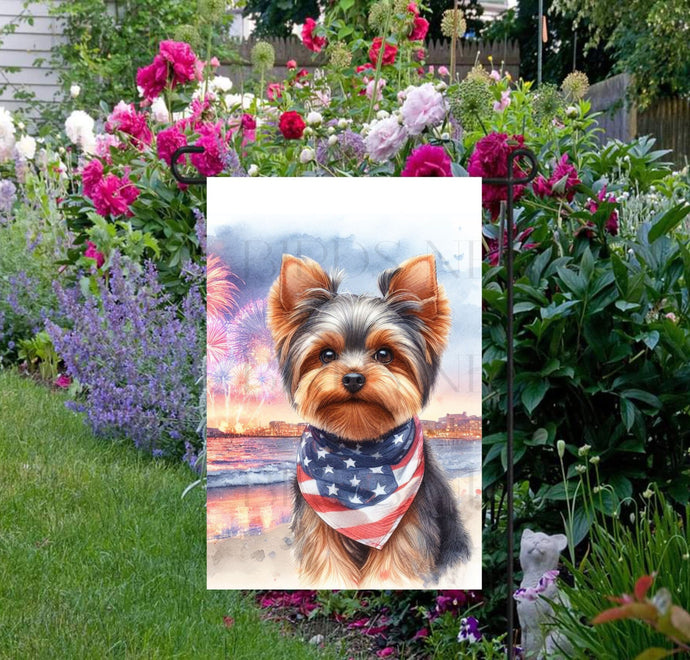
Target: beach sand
265	561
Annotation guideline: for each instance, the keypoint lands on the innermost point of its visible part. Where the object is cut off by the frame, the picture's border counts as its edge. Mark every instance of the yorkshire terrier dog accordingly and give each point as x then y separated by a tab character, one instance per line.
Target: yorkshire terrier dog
371	503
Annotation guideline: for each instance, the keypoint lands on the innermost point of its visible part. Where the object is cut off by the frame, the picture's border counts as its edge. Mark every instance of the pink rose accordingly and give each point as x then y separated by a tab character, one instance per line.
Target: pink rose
91	176
92	253
427	160
126	119
423	108
212	161
114	195
419	29
168	141
385	139
175	63
309	39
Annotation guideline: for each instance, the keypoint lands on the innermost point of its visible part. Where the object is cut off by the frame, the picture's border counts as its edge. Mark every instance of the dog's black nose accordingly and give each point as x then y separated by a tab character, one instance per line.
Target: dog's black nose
353	382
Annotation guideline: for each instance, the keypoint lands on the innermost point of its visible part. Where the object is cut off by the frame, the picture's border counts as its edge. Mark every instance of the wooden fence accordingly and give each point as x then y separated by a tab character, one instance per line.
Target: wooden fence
668	120
438	53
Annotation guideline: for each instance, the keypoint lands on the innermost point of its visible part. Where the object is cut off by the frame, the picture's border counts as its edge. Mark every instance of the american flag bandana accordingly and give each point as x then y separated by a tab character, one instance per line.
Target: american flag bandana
361	490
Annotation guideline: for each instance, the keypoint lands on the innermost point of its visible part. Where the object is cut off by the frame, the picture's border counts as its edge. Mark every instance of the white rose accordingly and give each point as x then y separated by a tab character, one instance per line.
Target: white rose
306	156
221	84
74	91
26	147
6	134
253	170
79	127
314	118
159	110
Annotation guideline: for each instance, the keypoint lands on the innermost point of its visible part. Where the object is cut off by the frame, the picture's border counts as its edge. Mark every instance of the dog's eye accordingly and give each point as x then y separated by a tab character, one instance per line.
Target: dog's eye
383	355
327	355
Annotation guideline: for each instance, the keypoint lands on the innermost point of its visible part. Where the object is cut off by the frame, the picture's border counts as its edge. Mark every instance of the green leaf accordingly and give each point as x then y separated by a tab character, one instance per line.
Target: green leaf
572	281
539	437
624	305
668	221
640	395
628	410
582	521
533	394
654	653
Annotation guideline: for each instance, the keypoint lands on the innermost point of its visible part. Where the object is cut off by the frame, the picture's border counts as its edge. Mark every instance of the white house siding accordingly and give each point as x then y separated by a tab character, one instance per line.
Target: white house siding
23	48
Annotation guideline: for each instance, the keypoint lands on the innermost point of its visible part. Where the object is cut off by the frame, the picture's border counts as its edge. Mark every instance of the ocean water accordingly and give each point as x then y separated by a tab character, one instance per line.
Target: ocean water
250	480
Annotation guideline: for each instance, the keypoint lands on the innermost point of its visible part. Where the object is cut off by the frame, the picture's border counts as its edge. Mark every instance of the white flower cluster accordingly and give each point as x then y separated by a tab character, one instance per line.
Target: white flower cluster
7	139
79	128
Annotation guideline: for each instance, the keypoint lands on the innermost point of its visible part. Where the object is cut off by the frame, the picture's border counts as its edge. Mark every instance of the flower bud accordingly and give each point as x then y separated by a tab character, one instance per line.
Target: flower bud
584	450
306	156
560	447
253	170
333	140
314	118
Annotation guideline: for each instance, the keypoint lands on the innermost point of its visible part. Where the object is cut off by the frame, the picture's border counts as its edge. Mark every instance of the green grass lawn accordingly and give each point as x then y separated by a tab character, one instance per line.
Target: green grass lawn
99	556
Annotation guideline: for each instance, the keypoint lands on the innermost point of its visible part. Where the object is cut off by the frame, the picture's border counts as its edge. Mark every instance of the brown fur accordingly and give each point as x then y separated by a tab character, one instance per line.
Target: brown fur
430	535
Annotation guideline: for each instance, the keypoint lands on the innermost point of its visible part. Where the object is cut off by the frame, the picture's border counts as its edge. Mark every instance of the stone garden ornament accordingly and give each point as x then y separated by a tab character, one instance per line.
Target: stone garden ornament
539	555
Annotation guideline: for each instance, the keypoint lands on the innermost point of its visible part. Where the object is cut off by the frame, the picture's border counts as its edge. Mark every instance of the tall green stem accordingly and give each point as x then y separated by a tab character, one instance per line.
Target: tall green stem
379	64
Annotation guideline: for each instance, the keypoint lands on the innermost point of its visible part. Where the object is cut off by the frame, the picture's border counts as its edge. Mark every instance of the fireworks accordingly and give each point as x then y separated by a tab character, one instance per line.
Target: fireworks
220	290
216	340
249	339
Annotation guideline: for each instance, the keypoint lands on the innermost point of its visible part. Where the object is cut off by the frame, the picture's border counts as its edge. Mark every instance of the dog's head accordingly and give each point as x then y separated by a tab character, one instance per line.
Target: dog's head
358	366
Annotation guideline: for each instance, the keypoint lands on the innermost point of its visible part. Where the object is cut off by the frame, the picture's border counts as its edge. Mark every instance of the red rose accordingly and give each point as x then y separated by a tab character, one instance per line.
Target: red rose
389	52
427	160
419	29
291	125
311	41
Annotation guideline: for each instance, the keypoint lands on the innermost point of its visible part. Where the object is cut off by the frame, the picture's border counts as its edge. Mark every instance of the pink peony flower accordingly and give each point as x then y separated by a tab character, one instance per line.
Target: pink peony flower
309	39
443	71
427	160
63	381
291	64
389	52
490	160
126	119
385	139
500	106
92	253
492	254
370	89
168	141
495	75
114	195
91	176
212	161
541	187
274	91
611	225
564	179
423	108
291	125
248	122
175	63
104	142
419	29
413	9
385	652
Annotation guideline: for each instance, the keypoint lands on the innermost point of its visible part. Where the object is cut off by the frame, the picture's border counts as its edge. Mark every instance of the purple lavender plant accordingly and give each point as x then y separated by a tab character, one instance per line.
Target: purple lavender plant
138	356
8	195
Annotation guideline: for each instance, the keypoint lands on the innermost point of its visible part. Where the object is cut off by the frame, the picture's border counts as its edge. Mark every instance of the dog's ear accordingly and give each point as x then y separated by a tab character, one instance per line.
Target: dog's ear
414	289
301	286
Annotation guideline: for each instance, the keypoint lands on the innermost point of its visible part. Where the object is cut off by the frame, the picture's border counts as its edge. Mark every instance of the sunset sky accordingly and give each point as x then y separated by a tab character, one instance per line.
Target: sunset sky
364	229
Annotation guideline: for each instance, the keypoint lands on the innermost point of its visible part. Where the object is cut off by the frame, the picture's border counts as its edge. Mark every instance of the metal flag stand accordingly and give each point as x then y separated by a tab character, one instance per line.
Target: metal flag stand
190	181
511	182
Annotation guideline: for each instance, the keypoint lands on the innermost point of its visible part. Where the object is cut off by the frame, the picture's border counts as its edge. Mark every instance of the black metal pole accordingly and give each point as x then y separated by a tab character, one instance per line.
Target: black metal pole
511	182
190	181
